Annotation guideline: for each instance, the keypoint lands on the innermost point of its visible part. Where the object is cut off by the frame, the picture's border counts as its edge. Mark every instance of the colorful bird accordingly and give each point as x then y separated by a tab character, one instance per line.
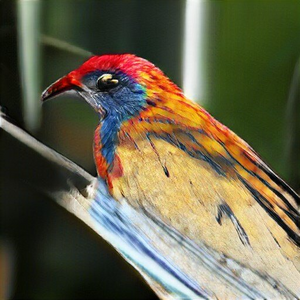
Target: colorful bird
166	155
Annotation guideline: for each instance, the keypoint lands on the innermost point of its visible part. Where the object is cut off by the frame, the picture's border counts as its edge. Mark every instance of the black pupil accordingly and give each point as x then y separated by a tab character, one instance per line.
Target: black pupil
106	83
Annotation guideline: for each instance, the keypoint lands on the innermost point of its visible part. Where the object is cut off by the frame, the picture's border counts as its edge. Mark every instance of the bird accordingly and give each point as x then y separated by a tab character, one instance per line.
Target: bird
165	154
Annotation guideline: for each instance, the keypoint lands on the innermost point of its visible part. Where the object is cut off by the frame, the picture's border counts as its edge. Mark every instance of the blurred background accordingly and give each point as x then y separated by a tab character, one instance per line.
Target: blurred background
239	59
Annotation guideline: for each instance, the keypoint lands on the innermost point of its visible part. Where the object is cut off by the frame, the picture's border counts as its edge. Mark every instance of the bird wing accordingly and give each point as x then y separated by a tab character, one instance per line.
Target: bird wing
174	266
214	189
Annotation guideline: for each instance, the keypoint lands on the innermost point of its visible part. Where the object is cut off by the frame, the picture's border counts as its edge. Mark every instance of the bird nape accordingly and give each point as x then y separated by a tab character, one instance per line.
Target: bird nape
165	154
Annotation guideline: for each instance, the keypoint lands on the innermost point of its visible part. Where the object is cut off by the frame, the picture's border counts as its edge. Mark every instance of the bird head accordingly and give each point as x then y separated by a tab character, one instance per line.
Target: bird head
121	85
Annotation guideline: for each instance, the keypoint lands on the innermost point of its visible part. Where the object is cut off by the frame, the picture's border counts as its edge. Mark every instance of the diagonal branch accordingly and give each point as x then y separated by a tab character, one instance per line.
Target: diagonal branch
173	265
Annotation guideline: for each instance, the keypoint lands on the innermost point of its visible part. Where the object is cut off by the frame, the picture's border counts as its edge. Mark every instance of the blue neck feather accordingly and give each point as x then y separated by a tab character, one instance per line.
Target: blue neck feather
125	101
109	137
121	106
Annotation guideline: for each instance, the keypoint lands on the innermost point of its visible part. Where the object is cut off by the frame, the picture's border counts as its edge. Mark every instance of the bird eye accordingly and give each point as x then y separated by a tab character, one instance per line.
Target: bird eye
106	82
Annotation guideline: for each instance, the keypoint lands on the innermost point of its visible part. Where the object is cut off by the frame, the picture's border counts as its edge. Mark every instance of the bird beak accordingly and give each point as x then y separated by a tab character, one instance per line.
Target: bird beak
62	85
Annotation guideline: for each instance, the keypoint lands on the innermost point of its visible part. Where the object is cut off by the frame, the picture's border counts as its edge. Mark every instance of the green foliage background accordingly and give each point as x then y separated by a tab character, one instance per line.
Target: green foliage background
251	49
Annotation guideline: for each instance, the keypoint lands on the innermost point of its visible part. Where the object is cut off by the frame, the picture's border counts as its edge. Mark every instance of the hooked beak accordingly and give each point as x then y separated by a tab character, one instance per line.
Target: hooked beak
62	85
69	83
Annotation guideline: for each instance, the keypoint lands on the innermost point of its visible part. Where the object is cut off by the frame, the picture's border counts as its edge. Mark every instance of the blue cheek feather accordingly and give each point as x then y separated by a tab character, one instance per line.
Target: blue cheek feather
121	103
120	106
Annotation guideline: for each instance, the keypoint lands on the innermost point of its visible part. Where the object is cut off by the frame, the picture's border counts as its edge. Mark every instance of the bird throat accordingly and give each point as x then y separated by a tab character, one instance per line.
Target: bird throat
105	141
